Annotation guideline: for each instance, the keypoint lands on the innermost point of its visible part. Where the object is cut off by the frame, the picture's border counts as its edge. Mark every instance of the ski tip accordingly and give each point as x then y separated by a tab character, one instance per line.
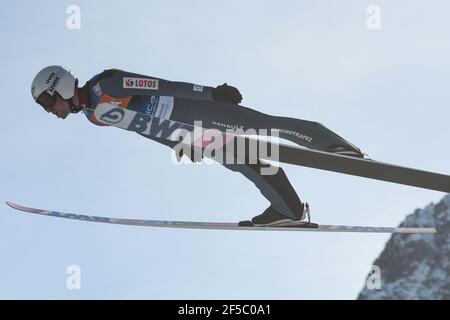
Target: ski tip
9	203
14	205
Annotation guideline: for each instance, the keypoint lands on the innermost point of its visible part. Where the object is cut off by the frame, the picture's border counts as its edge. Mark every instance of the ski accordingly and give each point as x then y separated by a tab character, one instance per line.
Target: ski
307	227
151	127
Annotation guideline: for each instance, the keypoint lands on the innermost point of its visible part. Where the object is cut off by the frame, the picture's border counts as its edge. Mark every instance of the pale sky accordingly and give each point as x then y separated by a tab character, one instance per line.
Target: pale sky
384	90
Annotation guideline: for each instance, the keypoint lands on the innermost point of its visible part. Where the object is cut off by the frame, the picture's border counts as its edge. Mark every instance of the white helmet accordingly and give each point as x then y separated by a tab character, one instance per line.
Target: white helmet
51	80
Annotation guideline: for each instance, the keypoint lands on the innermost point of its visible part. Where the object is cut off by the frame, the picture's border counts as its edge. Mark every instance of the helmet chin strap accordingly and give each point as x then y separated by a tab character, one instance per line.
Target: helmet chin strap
74	108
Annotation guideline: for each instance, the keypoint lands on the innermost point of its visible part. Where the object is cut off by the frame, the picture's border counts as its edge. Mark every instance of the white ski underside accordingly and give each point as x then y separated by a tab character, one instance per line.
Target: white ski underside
216	225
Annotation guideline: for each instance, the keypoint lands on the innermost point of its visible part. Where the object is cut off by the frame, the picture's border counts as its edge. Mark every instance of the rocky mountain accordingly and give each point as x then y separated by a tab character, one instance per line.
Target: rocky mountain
416	266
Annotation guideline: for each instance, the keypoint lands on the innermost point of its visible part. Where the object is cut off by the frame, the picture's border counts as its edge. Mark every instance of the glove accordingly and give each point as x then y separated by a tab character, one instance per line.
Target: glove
227	93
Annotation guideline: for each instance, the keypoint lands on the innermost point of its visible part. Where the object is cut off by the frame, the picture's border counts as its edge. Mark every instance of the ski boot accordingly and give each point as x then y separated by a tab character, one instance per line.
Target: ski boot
345	151
271	218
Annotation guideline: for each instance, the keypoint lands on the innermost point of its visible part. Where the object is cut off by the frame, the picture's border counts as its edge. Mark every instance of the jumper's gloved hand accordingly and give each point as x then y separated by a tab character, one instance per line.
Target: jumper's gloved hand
227	93
191	154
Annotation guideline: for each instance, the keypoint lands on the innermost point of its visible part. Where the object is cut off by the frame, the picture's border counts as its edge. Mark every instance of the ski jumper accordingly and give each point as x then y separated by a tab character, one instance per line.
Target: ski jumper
188	102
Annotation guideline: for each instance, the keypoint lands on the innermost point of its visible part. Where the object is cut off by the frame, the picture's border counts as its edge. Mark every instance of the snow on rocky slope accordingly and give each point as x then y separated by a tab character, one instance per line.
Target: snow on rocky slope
416	266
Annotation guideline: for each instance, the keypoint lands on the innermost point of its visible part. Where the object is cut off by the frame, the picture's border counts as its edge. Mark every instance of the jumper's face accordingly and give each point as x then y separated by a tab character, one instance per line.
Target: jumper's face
61	108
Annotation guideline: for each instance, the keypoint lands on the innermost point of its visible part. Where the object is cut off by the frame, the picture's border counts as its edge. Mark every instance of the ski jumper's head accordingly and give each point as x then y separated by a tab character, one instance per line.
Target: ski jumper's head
55	89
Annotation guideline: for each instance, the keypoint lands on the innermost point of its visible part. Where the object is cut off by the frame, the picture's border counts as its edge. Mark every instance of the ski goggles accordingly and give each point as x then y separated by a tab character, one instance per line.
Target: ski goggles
46	100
